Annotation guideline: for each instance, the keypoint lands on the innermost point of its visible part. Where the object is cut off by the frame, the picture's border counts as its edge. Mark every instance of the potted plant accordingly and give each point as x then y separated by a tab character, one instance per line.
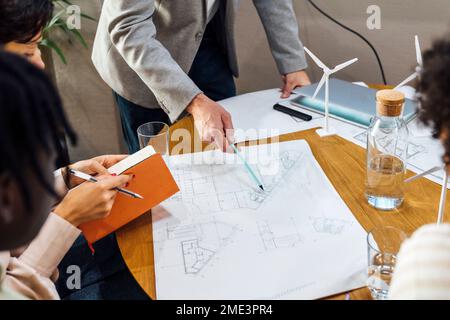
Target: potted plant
67	32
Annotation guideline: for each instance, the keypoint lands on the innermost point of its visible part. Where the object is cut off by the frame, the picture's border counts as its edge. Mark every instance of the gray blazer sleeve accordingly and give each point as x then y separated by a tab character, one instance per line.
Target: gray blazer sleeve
133	34
281	26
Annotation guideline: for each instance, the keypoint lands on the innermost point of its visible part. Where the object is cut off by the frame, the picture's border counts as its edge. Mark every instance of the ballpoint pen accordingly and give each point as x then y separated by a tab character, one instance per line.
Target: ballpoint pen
247	166
90	178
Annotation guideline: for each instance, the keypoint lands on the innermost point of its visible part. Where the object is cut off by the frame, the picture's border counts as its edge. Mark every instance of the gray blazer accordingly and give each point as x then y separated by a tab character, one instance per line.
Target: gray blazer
144	49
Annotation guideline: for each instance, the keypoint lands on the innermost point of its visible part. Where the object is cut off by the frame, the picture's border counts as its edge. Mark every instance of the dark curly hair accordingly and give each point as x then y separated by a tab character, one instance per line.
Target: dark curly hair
22	20
434	92
31	120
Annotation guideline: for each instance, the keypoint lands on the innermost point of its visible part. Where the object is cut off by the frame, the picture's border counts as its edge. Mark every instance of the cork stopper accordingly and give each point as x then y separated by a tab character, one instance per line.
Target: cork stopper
390	103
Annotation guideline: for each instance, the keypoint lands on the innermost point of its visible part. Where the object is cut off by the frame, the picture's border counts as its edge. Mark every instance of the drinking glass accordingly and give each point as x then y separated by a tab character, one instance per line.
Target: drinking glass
383	245
155	134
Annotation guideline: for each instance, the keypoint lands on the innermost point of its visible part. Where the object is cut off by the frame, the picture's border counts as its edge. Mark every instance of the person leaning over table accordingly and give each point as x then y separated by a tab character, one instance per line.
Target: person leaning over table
423	265
165	59
21	25
29	145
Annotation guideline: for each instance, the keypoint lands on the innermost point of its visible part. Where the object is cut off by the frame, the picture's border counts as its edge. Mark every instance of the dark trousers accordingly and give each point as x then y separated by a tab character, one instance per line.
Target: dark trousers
210	72
105	275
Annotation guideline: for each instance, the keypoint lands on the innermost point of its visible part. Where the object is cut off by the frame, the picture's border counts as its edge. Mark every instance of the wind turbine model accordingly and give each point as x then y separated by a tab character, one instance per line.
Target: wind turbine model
419	65
443	191
327	72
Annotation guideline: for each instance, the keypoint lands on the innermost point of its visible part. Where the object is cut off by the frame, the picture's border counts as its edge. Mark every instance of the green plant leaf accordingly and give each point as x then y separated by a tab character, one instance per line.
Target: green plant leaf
55	19
88	17
58	21
80	37
52	45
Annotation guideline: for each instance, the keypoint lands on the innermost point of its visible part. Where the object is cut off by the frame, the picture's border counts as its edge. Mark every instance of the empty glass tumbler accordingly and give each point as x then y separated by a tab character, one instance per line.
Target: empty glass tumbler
155	134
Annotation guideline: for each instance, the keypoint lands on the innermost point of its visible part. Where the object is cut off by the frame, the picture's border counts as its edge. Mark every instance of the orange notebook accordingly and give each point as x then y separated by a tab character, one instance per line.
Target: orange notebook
153	181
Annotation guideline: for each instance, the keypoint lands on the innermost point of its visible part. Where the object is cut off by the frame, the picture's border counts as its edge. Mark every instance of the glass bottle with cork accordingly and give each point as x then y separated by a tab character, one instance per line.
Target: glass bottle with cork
387	150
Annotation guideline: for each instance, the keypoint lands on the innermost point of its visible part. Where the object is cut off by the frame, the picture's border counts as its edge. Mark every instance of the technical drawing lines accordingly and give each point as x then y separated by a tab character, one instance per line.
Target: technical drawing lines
272	239
328	225
414	149
200	242
195	257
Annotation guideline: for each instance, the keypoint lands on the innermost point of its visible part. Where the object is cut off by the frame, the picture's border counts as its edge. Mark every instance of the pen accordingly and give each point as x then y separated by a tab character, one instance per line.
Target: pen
90	178
293	113
247	166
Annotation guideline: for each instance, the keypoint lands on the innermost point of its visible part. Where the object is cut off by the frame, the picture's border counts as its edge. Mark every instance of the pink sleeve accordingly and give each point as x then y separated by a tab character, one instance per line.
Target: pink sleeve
30	274
51	245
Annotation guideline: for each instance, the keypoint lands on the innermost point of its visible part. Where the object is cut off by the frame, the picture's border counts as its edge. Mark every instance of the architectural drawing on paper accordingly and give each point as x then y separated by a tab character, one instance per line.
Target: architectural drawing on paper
195	257
199	192
414	149
223	238
203	190
199	242
287	237
329	226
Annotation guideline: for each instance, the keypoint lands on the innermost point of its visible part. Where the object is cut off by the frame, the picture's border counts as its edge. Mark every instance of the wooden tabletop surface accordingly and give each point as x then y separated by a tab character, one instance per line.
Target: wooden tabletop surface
344	164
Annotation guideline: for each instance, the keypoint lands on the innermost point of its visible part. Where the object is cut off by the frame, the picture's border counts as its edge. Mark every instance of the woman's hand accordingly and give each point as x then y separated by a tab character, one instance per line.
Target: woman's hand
91	201
95	166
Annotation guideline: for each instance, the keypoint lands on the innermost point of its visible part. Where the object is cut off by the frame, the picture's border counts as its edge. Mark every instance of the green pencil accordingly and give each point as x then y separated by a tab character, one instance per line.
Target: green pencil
247	166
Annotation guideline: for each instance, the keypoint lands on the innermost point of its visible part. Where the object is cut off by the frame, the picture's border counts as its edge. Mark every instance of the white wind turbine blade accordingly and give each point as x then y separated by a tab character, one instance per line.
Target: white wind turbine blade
418	51
316	60
407	80
320	85
344	65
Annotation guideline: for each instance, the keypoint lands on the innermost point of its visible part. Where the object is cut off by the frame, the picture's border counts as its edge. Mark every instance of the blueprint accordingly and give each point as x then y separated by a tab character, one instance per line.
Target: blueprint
223	238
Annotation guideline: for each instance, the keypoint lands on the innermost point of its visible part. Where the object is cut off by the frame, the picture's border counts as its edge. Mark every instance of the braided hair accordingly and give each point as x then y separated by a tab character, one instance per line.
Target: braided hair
32	121
434	92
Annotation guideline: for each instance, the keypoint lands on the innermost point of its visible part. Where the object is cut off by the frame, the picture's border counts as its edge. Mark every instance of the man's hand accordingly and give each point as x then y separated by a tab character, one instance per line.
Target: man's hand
294	80
212	121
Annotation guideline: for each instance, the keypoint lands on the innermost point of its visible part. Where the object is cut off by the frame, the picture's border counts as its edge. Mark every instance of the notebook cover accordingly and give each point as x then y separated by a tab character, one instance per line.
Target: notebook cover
153	181
348	102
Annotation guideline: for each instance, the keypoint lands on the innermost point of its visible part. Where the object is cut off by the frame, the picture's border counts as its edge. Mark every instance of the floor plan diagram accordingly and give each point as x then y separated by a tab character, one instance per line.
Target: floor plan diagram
198	242
221	238
204	192
279	239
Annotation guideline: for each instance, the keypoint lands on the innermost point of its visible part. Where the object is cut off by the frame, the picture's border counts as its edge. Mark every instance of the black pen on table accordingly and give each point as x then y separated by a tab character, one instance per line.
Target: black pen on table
292	112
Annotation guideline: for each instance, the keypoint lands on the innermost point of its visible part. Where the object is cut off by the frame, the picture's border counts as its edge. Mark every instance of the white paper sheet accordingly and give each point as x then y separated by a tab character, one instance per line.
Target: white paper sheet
424	152
221	238
254	118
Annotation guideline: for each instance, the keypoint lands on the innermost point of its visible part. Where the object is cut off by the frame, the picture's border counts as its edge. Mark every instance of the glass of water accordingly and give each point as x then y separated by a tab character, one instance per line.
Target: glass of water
383	245
155	134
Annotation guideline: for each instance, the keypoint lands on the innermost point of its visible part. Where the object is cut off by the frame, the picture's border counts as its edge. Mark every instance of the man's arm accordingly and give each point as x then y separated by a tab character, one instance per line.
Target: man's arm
281	26
133	34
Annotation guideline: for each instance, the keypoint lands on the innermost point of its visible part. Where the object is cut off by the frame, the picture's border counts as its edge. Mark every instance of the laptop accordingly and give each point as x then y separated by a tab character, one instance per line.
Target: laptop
348	102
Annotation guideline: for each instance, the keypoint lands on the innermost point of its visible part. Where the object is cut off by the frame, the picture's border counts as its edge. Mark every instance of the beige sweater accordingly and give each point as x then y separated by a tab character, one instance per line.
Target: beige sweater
30	274
423	267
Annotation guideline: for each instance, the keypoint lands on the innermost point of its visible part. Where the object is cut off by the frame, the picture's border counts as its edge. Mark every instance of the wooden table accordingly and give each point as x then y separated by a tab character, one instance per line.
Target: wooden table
343	163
